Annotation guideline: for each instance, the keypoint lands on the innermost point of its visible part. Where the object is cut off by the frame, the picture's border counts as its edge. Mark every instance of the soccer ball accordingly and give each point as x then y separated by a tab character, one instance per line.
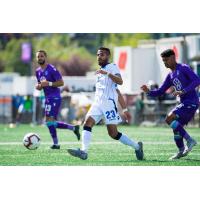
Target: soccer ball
31	141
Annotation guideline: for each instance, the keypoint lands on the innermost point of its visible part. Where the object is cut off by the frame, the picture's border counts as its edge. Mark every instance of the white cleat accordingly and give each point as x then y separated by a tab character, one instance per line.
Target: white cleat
177	156
190	144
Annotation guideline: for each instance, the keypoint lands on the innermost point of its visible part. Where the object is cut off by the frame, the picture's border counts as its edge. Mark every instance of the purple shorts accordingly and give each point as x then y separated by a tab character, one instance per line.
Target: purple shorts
185	112
52	107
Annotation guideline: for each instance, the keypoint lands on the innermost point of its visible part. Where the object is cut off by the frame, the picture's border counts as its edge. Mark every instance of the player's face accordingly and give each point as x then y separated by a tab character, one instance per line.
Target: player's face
169	61
102	57
41	58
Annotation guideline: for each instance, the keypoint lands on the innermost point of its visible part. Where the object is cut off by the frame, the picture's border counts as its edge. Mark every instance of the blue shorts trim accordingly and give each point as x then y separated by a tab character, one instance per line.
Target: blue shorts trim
185	112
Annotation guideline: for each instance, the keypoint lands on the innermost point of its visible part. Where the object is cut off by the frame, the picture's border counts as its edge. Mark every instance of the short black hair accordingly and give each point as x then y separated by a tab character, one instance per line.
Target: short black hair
167	53
42	51
105	49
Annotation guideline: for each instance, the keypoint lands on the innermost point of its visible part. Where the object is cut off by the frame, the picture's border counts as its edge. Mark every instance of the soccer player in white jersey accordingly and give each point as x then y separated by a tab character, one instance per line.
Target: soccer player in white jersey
105	107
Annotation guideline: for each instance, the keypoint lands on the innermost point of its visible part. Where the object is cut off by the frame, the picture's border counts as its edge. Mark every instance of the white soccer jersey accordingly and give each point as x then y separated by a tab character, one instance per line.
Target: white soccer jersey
105	87
106	97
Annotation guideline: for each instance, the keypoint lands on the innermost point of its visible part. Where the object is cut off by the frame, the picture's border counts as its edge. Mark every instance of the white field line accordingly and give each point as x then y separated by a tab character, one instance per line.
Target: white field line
146	154
92	143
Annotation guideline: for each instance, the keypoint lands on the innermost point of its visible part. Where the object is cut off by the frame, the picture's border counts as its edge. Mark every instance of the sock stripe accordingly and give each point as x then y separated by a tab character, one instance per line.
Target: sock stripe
118	136
51	123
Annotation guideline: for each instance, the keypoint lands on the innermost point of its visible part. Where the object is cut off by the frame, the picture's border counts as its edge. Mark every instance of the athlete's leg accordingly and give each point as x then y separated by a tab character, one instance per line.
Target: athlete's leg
171	119
180	116
124	139
87	133
86	139
50	118
51	124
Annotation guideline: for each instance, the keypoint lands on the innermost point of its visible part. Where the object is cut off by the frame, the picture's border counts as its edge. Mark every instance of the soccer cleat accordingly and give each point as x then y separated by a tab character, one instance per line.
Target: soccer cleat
55	146
190	144
76	132
139	153
177	155
78	153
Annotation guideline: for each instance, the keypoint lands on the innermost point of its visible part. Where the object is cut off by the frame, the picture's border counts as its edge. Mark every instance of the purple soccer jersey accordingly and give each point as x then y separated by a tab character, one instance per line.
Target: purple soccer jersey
50	73
52	94
183	79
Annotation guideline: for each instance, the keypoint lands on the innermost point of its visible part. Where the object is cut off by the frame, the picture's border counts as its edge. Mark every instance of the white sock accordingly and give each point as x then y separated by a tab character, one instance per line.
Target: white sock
126	140
86	138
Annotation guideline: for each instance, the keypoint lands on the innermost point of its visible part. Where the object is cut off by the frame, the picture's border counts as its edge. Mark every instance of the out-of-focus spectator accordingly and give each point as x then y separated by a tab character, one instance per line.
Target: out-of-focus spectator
17	102
139	107
25	108
66	112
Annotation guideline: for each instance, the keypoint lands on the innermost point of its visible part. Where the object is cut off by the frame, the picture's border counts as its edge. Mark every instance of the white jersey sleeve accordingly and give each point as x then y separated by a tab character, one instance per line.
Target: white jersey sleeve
114	69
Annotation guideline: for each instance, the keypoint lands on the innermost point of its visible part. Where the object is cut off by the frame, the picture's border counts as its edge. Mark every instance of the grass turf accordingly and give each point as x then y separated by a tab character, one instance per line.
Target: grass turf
158	147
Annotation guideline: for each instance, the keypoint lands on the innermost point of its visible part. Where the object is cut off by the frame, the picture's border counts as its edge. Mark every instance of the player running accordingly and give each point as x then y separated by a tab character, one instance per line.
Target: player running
49	79
104	106
184	81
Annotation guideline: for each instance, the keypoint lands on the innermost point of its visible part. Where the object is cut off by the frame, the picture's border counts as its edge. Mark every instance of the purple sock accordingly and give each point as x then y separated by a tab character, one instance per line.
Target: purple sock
182	132
53	133
179	141
63	125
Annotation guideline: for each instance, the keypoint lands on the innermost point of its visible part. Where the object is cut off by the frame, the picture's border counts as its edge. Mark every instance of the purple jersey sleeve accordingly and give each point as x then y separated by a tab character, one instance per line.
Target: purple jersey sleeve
55	74
160	91
37	76
192	77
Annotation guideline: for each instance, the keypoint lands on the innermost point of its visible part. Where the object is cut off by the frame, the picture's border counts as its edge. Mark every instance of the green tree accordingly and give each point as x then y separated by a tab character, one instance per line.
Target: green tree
125	39
11	57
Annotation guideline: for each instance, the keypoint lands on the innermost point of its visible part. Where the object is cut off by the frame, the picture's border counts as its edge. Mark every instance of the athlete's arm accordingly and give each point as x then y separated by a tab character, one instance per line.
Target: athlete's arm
121	100
123	105
115	77
160	91
57	83
38	86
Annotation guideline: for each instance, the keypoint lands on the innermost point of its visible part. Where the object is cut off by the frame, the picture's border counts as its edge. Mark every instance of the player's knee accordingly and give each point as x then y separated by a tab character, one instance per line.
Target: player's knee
174	124
89	122
170	118
87	128
116	136
51	123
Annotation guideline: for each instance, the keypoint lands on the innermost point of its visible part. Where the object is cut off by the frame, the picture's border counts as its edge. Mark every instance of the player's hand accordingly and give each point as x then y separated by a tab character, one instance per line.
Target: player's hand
38	87
44	83
145	88
127	116
101	71
177	93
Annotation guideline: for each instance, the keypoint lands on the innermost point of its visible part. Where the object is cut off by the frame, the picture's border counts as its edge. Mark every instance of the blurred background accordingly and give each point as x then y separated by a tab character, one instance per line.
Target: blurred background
74	54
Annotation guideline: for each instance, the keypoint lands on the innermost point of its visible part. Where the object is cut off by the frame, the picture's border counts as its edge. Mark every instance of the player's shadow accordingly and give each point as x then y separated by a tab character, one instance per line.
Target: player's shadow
141	161
190	159
160	161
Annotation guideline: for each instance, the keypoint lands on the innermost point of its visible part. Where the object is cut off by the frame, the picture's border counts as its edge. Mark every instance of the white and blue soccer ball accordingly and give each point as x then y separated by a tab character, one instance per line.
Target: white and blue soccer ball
31	141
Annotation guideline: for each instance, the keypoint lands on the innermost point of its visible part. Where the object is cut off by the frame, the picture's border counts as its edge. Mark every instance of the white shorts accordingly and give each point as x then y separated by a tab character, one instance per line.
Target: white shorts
106	110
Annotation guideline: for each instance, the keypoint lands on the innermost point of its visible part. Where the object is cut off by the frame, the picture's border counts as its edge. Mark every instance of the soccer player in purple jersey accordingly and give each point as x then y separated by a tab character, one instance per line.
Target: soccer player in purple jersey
184	81
49	79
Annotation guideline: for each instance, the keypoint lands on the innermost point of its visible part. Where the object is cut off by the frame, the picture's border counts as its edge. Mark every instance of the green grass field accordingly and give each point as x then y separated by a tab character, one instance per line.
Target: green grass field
158	147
